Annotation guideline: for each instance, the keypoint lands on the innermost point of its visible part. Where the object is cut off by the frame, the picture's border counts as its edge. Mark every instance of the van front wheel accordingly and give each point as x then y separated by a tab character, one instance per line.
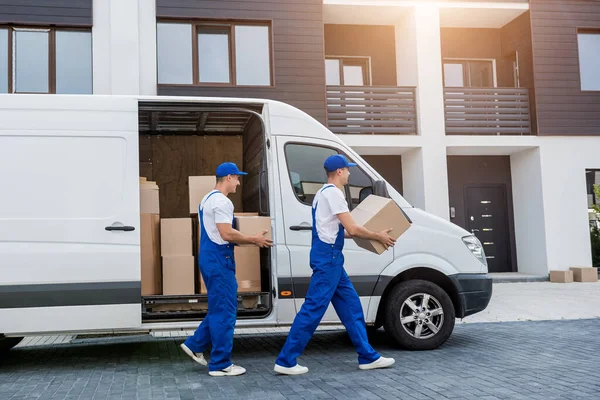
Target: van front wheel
7	343
419	315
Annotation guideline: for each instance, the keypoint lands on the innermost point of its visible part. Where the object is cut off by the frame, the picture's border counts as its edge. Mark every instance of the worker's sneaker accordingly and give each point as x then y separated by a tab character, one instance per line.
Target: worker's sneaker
198	357
232	370
295	370
381	362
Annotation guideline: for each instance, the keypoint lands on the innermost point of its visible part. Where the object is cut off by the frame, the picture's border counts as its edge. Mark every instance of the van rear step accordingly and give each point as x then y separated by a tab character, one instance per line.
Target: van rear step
196	306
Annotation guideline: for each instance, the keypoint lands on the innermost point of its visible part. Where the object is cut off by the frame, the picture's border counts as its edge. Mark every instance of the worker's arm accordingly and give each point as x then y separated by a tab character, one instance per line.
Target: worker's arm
234	236
355	230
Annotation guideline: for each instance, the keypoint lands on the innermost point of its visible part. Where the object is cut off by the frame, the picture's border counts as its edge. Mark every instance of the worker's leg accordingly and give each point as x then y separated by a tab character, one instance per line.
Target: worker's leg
347	305
322	285
201	338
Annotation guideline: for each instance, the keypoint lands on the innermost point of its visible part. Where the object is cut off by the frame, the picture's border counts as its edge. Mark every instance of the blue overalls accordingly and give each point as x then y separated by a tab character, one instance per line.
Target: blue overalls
217	267
329	283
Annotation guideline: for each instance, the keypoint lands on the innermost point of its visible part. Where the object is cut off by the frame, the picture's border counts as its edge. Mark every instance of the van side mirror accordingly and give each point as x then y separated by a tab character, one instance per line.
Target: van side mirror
380	189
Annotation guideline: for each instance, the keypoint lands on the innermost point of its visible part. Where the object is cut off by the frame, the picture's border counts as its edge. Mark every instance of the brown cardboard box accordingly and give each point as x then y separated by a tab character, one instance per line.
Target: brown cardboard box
376	214
252	225
585	274
149	199
247	269
561	276
199	186
143	179
176	236
150	254
178	275
245	214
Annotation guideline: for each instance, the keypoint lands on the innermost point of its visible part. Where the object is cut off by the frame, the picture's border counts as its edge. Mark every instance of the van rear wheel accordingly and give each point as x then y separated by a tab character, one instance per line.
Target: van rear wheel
7	343
419	315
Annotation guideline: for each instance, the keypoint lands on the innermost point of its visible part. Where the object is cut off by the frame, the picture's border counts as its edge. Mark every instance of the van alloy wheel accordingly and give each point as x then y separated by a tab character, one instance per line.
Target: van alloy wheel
422	316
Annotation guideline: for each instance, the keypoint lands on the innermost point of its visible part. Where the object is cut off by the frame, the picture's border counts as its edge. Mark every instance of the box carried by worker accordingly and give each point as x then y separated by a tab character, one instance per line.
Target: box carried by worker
376	214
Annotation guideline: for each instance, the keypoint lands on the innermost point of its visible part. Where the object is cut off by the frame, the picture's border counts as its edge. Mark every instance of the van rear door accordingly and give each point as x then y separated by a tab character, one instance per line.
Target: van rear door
69	214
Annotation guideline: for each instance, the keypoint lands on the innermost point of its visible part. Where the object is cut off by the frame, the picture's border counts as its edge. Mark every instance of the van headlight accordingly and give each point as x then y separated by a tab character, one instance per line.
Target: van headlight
474	245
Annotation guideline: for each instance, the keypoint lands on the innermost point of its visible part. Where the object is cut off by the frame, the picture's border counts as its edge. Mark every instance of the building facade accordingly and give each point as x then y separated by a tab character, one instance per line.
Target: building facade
485	113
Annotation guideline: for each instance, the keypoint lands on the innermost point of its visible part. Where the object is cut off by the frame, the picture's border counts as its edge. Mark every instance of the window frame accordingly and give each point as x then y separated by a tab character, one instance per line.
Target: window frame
362	61
51	30
347	193
585	31
219	24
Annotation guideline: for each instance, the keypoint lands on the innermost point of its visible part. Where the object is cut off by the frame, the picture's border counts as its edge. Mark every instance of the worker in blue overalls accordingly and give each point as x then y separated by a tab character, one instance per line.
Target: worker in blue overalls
330	282
217	266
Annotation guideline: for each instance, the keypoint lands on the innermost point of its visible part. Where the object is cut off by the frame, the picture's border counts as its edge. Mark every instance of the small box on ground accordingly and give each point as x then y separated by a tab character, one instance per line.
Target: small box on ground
178	275
251	225
151	273
199	186
376	214
585	274
561	276
176	236
149	198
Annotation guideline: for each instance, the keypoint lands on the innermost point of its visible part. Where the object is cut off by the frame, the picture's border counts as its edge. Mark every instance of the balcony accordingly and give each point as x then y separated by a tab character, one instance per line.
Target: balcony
487	111
372	110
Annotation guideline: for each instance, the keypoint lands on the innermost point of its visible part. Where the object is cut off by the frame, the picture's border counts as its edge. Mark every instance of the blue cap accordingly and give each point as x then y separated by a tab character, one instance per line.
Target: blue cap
336	162
228	168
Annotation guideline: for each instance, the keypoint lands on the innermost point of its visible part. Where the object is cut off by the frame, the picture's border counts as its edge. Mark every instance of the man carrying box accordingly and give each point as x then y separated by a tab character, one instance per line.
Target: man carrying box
217	266
329	281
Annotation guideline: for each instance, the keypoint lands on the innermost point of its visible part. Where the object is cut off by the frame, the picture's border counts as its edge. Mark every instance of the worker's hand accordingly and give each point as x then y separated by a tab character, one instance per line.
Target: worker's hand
261	241
385	239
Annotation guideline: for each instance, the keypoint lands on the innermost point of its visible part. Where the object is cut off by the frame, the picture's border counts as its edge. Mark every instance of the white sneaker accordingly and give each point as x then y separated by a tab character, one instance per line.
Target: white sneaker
198	357
381	362
295	370
232	370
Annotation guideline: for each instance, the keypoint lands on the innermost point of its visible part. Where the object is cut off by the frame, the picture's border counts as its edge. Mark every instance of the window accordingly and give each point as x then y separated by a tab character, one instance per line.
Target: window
469	73
305	165
589	59
45	60
214	53
348	71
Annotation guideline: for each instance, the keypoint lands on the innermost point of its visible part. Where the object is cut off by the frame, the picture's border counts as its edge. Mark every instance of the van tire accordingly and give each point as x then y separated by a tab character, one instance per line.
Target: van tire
416	290
7	343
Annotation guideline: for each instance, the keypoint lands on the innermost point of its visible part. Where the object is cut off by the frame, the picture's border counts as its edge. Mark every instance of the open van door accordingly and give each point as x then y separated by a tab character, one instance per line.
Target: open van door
69	214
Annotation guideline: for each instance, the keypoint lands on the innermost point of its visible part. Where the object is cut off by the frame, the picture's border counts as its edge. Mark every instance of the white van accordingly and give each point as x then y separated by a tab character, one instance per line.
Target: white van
70	219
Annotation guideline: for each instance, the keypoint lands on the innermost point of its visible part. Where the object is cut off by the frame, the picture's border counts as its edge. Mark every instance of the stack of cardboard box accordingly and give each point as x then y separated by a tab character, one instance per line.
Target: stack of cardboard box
177	256
150	238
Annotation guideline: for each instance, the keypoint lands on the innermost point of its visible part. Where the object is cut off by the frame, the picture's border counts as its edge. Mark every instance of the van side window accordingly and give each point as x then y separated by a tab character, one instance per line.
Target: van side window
305	166
359	185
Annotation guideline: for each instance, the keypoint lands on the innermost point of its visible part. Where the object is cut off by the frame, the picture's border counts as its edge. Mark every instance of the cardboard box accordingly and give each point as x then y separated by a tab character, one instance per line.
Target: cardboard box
561	276
585	274
143	179
247	270
176	237
245	214
149	199
199	186
251	225
178	275
376	214
150	254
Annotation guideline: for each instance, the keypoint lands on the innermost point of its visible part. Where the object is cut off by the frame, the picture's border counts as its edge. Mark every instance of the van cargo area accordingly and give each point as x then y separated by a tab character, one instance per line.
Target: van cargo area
180	146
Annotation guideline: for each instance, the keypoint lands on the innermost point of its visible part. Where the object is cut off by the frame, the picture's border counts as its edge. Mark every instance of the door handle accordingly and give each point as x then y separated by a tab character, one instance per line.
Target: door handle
301	228
120	228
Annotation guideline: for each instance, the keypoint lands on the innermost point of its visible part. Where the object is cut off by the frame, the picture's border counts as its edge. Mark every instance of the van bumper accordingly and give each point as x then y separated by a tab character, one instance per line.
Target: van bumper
474	293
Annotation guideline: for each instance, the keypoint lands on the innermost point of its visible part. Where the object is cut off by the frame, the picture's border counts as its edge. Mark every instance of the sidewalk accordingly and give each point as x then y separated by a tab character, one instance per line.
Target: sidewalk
530	301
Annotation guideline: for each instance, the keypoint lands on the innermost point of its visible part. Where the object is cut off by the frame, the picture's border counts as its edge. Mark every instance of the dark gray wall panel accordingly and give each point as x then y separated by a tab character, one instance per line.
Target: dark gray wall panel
46	12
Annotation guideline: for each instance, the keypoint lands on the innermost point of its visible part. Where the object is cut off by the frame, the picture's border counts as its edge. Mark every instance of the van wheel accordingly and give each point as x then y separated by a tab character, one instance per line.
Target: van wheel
7	343
419	315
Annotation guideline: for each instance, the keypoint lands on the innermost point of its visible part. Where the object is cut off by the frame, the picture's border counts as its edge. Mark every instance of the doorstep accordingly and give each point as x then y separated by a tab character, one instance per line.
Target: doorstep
514	277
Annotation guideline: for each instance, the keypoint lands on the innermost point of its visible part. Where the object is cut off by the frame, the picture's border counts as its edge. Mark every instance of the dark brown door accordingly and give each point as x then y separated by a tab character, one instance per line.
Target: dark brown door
487	219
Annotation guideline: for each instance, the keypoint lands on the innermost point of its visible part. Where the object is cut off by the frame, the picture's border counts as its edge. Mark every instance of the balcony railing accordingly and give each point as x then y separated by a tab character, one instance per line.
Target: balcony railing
371	110
487	111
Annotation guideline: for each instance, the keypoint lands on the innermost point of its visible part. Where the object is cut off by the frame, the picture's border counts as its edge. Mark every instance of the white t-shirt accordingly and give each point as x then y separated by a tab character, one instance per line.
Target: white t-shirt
218	209
331	202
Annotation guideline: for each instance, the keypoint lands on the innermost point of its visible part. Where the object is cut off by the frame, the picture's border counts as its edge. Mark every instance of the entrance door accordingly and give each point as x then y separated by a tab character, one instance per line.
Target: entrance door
69	214
486	211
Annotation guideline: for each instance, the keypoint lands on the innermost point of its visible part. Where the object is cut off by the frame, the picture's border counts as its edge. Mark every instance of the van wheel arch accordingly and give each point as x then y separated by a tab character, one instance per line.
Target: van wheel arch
420	273
7	343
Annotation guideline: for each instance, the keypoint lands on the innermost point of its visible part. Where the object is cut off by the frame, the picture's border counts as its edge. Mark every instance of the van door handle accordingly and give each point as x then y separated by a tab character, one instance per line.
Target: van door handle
120	228
301	228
